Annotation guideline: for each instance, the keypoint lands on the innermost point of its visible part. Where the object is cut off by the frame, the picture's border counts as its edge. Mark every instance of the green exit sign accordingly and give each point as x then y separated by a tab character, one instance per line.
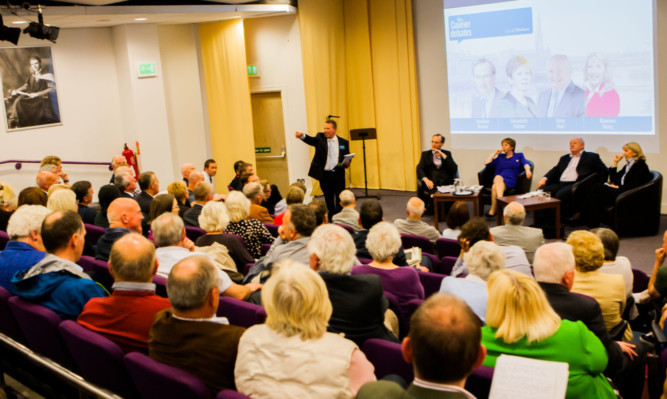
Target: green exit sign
252	70
262	150
147	69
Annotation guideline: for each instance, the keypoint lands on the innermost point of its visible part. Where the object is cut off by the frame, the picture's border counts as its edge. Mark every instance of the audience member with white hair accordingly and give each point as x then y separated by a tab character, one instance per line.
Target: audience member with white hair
8	204
358	303
62	200
126	182
348	216
483	258
253	191
252	231
25	248
117	161
514	233
383	242
413	224
286	353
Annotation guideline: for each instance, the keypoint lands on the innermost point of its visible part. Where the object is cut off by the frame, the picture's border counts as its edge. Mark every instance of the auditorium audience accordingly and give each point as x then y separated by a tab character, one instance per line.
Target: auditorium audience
457	216
348	216
203	193
614	264
180	191
358	303
285	355
8	204
126	316
210	170
483	258
24	248
320	208
383	243
520	322
607	289
413	224
189	336
108	193
186	169
57	282
554	271
32	196
253	191
124	217
295	195
194	178
443	346
84	197
214	220
370	214
62	200
508	166
44	180
252	231
513	232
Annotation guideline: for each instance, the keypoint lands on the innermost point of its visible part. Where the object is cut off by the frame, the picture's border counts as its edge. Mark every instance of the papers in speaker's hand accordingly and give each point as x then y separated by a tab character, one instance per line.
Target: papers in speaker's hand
520	377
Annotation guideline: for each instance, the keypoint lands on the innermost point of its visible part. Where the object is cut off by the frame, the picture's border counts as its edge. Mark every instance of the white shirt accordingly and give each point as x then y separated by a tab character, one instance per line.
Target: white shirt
331	163
570	173
169	256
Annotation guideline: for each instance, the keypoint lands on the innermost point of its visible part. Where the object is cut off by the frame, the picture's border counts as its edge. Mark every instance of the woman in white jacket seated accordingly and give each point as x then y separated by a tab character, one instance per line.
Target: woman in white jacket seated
292	355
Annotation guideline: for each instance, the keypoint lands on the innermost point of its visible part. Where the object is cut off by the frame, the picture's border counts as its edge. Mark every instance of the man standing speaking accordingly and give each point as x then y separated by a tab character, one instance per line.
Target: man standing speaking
327	165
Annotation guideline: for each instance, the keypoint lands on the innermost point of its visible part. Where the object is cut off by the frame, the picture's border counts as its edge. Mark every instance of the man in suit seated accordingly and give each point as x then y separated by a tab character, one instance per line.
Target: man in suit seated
253	191
413	224
190	336
485	102
514	233
84	197
564	99
436	168
150	186
348	216
126	183
444	346
124	217
572	168
554	271
203	193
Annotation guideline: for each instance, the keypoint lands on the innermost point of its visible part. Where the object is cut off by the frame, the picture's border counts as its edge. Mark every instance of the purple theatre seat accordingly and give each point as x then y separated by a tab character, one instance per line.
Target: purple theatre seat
387	359
241	240
395	306
93	233
194	232
265	248
99	359
639	281
160	286
230	394
86	263
411	307
479	381
445	266
241	313
346	227
39	326
273	229
447	247
8	325
4	237
431	282
412	240
155	380
101	273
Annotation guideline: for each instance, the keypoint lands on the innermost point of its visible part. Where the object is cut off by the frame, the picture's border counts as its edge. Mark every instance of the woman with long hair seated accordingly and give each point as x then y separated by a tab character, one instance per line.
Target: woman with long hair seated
520	322
292	355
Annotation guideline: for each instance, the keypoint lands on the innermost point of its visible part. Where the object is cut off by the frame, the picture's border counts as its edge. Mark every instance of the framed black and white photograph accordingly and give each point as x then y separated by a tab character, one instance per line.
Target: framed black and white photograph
29	88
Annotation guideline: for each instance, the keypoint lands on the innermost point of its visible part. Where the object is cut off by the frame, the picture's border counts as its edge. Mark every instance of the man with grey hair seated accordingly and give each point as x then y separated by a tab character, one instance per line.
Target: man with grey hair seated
46	179
358	301
554	271
514	233
126	183
25	247
253	191
173	246
189	336
203	193
117	161
348	216
413	224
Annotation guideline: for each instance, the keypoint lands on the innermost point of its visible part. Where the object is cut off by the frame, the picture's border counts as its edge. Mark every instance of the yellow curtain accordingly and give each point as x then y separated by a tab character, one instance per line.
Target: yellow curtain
228	94
370	76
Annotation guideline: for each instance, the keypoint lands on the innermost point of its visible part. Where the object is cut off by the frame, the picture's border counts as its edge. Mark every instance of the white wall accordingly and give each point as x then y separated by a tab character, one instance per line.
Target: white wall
274	45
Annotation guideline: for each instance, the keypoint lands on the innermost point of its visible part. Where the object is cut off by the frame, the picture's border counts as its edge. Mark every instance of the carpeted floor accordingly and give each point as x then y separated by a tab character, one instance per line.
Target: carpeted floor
640	250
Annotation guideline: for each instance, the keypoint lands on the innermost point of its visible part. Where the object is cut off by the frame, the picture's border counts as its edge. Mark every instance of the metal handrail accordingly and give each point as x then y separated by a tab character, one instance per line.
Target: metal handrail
18	164
281	156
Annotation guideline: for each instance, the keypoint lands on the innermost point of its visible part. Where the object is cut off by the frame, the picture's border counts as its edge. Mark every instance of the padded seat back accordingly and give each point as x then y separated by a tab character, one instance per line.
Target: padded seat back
4	238
412	240
241	313
194	232
8	325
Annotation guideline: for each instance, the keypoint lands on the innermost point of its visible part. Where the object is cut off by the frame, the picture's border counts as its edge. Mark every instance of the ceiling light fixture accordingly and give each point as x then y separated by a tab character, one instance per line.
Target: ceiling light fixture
140	19
9	34
41	31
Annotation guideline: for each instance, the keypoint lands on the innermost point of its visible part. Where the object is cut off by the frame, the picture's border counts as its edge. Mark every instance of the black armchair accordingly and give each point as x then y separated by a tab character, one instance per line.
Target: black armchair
485	178
636	212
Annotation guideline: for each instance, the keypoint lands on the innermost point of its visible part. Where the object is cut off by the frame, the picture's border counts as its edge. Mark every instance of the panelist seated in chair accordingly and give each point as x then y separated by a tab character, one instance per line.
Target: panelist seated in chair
634	174
436	168
509	165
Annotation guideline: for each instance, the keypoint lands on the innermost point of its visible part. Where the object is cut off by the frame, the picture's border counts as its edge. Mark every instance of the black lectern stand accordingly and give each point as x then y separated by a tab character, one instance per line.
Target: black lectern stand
363	135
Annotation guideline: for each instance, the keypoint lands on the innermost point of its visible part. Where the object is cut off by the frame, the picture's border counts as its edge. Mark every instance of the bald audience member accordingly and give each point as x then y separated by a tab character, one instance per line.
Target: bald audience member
186	169
413	224
348	216
203	193
45	180
444	346
189	336
253	191
124	217
194	178
513	232
126	316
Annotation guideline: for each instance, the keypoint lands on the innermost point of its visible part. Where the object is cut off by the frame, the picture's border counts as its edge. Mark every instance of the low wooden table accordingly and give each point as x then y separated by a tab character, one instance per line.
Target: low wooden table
531	204
438	197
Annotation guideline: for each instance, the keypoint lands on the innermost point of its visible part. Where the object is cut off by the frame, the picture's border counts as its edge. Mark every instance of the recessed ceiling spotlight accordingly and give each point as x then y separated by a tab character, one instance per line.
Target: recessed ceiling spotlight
140	19
19	22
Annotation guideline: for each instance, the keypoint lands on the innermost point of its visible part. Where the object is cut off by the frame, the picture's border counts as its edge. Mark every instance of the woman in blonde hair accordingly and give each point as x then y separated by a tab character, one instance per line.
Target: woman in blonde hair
292	355
601	97
520	322
62	200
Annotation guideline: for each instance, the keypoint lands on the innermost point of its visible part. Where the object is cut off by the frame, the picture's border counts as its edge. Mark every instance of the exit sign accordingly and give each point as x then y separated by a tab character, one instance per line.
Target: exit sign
252	70
147	69
262	150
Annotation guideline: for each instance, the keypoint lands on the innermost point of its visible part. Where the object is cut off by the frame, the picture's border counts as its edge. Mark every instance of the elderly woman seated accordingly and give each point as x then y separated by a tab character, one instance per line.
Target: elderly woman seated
520	322
253	232
383	243
607	289
292	353
484	258
214	220
359	306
